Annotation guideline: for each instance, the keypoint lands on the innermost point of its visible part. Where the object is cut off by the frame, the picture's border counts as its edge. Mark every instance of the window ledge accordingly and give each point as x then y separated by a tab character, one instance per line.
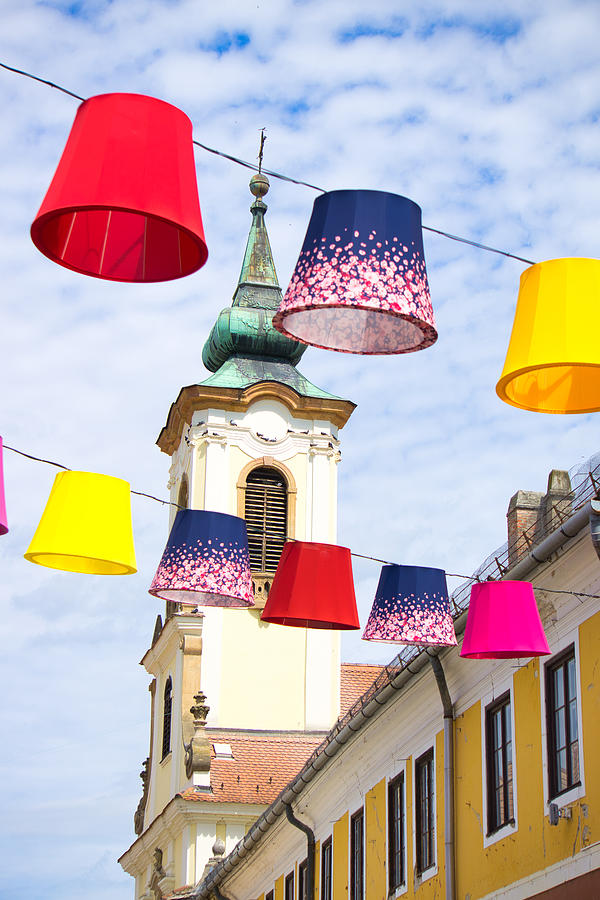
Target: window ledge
566	797
427	873
499	834
166	758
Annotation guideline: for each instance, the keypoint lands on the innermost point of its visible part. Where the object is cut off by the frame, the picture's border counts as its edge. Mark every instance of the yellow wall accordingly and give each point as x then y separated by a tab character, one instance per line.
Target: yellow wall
273	657
535	844
279	889
162	783
589	653
340	858
196	487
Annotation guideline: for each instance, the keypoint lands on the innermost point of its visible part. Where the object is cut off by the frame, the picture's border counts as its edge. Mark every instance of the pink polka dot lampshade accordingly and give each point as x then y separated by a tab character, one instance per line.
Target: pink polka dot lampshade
360	284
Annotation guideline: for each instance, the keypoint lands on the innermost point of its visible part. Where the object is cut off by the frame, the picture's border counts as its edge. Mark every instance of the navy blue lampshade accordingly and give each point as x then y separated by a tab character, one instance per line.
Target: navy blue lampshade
360	284
206	561
411	607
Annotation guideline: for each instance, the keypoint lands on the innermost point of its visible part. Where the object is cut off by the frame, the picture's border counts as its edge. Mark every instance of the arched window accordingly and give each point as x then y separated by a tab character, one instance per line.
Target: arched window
266	514
167	703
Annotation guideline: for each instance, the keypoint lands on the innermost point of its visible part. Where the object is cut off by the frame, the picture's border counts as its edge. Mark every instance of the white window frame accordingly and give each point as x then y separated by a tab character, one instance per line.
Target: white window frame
404	886
431	870
575	793
361	808
506	686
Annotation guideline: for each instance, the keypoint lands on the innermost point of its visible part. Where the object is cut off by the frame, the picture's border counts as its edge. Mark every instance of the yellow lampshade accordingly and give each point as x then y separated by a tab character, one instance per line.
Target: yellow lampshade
553	359
86	526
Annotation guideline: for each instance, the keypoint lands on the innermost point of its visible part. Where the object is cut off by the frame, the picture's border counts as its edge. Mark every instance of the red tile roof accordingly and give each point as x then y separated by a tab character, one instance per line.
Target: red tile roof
263	763
181	892
355	679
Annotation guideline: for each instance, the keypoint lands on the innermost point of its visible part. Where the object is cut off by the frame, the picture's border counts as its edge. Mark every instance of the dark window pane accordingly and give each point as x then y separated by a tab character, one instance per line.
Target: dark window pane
326	870
289	886
356	856
424	811
499	764
167	704
302	888
563	728
396	832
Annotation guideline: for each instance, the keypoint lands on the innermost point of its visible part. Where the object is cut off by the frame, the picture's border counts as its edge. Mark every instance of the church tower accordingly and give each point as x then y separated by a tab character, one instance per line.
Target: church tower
237	705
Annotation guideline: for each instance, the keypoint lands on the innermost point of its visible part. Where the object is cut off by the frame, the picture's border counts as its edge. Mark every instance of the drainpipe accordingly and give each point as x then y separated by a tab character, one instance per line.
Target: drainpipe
310	850
440	678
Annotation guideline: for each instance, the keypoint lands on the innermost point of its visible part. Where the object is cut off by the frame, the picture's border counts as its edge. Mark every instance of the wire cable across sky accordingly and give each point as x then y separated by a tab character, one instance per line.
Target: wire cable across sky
248	165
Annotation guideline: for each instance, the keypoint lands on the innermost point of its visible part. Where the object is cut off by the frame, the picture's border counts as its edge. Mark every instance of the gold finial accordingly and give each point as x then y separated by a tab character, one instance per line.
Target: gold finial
259	185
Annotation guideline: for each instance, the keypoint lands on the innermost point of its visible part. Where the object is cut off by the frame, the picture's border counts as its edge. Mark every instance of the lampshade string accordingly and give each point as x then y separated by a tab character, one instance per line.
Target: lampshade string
256	530
279	175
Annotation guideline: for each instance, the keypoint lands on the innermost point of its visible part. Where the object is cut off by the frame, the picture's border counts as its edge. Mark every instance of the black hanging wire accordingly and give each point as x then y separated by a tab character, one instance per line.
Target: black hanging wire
41	81
279	175
578	594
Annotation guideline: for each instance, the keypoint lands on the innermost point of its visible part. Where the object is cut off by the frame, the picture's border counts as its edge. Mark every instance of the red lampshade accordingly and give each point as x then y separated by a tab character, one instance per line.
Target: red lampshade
503	622
313	587
123	203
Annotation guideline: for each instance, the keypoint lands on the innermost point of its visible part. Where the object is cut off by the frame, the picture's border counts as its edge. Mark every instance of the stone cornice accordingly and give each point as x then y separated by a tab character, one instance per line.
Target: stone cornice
198	396
170	639
173	819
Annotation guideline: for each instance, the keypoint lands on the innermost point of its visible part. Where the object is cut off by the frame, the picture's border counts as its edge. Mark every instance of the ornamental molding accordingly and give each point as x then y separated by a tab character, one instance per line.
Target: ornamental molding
198	397
174	818
157	659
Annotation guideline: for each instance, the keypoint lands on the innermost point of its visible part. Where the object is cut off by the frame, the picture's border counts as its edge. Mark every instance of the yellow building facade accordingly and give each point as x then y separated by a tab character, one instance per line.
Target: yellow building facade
455	778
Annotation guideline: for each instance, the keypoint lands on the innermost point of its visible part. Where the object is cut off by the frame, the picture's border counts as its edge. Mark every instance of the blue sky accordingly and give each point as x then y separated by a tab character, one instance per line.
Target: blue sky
488	120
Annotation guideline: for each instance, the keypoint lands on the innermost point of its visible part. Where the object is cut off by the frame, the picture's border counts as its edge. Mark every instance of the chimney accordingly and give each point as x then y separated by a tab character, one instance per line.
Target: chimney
522	517
557	504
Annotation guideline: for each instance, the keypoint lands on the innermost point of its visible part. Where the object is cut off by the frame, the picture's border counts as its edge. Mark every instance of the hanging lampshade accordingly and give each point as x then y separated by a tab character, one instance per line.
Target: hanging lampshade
411	607
313	587
86	526
503	622
206	561
553	361
123	203
3	519
360	284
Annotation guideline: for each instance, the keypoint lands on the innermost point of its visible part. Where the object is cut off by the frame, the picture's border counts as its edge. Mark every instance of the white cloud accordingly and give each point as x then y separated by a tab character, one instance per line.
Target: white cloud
489	124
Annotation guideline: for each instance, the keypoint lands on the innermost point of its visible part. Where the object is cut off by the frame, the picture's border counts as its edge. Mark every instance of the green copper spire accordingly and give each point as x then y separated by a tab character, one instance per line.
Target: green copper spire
258	267
246	328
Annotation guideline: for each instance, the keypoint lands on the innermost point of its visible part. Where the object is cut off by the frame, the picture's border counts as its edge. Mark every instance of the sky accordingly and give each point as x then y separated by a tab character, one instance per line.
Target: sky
484	114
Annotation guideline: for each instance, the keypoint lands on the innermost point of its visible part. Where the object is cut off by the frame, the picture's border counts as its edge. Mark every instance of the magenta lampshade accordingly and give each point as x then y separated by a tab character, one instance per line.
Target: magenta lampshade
313	587
411	607
123	203
503	622
206	561
360	284
3	519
